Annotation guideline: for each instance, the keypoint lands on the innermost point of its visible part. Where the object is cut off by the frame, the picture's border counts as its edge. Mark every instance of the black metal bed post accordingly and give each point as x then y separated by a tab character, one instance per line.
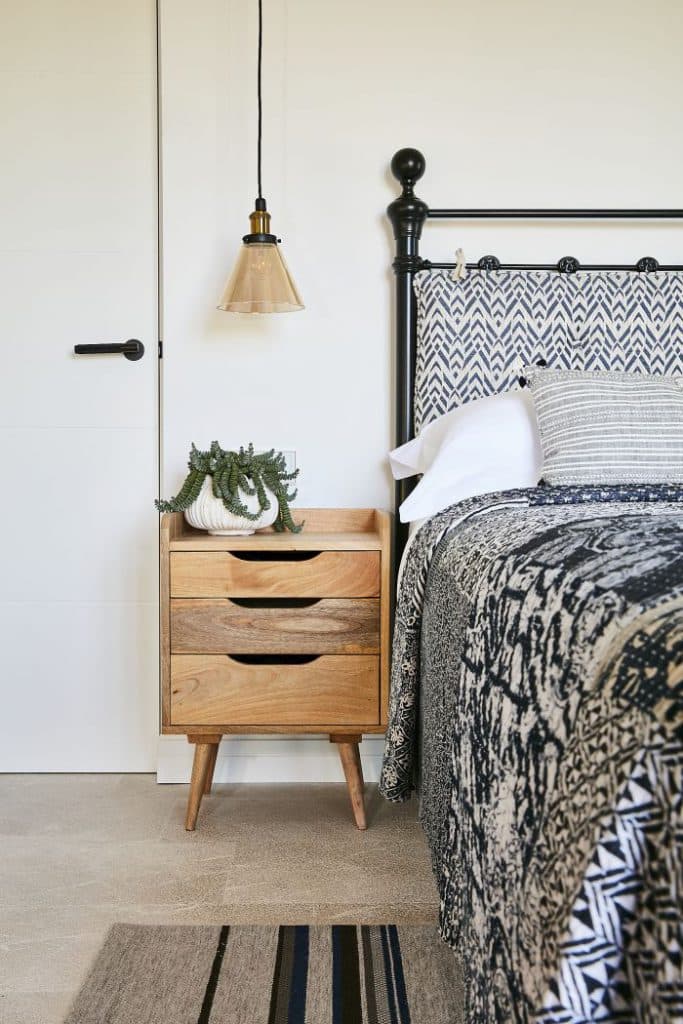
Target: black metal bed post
407	215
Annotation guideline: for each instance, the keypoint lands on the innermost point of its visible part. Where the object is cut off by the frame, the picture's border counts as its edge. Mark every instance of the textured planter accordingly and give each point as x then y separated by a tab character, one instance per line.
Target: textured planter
209	513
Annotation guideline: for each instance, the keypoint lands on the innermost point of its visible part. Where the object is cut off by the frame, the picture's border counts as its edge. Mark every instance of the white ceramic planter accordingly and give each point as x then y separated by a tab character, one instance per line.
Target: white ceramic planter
209	513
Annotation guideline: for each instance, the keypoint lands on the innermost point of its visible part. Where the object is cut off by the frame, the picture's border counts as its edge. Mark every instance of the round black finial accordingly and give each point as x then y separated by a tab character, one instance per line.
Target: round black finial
408	166
489	263
568	265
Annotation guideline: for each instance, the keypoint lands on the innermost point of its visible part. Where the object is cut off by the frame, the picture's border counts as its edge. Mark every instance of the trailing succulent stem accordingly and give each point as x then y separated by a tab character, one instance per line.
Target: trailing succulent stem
235	473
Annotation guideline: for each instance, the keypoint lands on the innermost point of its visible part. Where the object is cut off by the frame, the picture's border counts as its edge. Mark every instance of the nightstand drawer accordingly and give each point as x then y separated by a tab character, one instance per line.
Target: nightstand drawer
222	690
275	574
256	626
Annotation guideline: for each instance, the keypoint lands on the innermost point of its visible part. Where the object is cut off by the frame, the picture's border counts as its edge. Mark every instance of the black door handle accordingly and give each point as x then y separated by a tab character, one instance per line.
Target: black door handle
131	349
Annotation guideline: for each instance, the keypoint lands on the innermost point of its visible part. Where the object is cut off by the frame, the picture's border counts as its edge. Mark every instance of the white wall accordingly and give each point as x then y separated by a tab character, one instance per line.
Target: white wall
531	103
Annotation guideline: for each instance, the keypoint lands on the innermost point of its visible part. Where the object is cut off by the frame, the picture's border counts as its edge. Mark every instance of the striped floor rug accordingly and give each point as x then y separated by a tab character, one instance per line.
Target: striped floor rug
298	974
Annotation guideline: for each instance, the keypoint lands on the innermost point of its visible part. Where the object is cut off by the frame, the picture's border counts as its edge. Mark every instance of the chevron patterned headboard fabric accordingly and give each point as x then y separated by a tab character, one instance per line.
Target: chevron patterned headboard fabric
474	334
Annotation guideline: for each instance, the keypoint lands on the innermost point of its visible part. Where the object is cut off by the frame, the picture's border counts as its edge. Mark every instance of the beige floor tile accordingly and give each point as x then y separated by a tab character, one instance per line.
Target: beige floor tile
33	962
388	913
39	873
235	811
317	871
34	1007
93	808
80	853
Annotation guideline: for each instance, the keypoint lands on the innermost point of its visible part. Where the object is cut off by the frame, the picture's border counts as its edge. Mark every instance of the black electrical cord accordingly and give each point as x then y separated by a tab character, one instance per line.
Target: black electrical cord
260	111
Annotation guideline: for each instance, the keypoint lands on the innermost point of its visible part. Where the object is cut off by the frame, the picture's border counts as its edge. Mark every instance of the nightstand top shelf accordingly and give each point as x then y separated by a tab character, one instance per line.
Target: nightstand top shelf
324	530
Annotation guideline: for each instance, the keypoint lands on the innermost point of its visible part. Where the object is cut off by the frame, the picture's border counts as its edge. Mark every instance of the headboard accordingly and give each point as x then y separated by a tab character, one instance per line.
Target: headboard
474	334
460	339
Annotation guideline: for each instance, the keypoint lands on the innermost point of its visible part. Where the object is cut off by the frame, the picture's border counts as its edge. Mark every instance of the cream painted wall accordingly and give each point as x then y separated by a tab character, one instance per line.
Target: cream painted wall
525	103
531	103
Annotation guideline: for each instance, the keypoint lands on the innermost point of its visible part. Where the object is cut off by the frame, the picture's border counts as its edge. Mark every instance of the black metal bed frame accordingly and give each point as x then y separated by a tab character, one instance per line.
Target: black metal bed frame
408	215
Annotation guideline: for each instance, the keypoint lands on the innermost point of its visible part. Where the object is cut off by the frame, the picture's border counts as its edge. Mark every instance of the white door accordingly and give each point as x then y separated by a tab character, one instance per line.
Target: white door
78	445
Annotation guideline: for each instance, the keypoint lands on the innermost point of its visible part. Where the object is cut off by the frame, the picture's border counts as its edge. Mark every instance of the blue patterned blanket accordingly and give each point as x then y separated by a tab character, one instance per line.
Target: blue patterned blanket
538	668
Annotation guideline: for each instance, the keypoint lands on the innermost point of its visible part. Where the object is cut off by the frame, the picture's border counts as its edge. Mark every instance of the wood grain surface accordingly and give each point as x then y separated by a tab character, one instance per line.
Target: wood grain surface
221	626
215	689
225	574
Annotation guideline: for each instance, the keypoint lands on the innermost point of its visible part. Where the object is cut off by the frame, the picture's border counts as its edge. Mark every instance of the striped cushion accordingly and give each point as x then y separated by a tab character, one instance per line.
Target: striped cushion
608	427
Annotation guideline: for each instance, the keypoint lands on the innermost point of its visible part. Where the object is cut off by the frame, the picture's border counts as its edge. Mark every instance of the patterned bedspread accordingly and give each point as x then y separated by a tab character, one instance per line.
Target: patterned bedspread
538	667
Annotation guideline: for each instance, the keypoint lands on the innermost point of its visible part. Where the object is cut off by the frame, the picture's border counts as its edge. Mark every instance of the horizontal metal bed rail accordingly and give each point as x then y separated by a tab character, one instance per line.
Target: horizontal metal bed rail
429	265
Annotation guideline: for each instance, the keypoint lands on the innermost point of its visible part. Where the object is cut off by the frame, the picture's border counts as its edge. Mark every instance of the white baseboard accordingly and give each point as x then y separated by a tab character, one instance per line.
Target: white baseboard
268	759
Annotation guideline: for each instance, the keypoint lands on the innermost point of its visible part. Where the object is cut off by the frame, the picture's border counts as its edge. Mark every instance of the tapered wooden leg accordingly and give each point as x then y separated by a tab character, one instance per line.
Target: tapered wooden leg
353	773
200	767
211	768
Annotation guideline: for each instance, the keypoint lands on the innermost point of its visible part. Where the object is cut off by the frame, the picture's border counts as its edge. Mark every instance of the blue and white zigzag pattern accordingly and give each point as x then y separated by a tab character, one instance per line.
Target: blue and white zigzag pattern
474	334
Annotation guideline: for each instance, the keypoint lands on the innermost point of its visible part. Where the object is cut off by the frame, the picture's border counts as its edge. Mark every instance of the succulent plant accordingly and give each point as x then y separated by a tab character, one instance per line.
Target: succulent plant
244	471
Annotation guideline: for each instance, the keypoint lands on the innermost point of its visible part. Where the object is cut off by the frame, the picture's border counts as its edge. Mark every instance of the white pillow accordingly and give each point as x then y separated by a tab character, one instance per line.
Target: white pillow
491	444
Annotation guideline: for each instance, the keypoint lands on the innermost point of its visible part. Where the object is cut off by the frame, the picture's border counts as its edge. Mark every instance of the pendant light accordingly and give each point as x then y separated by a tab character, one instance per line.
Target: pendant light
260	282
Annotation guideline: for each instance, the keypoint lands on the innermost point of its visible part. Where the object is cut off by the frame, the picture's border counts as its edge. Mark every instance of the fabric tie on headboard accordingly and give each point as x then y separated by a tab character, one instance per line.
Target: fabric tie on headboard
474	334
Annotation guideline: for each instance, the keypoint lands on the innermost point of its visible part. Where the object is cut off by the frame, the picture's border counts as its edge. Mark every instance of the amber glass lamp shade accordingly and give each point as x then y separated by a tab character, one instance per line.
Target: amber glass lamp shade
260	282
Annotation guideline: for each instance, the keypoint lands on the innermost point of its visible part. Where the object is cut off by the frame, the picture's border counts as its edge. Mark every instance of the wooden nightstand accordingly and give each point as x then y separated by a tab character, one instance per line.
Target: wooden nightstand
276	633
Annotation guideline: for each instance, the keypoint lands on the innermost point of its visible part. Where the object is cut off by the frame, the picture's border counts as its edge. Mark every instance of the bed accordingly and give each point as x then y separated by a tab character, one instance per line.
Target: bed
537	677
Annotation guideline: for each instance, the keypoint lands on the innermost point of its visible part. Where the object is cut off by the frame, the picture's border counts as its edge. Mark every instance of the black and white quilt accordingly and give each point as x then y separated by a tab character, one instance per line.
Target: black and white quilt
537	695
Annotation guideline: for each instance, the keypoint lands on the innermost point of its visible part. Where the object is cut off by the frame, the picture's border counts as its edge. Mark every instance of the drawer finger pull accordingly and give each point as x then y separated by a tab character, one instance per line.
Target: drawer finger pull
273	659
274	602
274	556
